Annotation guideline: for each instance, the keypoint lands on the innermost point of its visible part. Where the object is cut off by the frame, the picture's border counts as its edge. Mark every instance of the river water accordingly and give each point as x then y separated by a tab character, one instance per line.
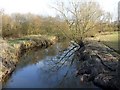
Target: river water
42	68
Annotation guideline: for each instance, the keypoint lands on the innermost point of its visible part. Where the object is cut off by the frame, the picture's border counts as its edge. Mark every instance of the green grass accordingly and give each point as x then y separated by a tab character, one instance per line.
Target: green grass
28	38
110	40
16	41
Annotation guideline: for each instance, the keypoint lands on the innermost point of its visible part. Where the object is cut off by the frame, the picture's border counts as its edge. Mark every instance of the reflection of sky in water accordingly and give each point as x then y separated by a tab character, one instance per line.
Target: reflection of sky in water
39	74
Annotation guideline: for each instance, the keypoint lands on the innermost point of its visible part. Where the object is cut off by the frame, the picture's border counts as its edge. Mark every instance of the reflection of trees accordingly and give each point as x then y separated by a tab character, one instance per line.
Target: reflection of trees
31	57
63	60
61	63
66	56
59	75
37	54
57	62
28	58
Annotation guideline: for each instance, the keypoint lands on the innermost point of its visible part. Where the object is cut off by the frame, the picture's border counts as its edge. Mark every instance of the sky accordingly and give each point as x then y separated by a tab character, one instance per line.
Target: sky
42	7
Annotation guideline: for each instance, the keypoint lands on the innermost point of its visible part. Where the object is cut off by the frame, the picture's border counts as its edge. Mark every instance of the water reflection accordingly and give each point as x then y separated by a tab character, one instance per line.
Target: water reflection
34	70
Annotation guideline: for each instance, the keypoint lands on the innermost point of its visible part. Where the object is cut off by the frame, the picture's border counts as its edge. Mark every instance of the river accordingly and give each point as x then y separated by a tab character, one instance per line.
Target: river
38	68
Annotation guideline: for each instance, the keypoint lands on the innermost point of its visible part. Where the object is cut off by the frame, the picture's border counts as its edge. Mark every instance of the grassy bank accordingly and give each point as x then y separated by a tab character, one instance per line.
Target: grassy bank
12	49
110	39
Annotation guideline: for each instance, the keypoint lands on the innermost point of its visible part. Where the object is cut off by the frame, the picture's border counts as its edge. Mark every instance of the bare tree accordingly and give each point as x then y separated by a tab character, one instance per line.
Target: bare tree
80	17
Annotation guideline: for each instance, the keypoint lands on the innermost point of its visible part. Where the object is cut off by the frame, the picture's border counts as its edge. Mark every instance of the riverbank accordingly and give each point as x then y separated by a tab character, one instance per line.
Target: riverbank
12	49
98	64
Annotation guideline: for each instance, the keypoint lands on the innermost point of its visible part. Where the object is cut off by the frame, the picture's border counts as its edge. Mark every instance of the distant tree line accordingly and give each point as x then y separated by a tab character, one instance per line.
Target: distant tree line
81	20
18	25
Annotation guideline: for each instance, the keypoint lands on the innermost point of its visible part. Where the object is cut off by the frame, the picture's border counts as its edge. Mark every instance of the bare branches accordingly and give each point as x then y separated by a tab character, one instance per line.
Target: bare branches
81	17
66	54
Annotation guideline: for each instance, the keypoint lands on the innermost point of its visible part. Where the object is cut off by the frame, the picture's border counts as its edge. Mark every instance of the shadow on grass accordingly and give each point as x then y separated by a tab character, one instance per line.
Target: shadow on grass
114	45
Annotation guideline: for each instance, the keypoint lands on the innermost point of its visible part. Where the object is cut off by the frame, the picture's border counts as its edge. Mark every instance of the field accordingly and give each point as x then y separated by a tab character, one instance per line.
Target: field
110	39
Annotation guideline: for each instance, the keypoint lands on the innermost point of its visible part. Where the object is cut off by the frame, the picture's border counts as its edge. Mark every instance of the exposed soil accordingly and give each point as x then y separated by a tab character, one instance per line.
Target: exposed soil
98	63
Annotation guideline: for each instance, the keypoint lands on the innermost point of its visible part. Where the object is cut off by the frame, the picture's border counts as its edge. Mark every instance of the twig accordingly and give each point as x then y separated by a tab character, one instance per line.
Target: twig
105	64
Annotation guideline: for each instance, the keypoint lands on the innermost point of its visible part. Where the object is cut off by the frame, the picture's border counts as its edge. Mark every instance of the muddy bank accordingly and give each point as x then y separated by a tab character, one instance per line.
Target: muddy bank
98	64
13	49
